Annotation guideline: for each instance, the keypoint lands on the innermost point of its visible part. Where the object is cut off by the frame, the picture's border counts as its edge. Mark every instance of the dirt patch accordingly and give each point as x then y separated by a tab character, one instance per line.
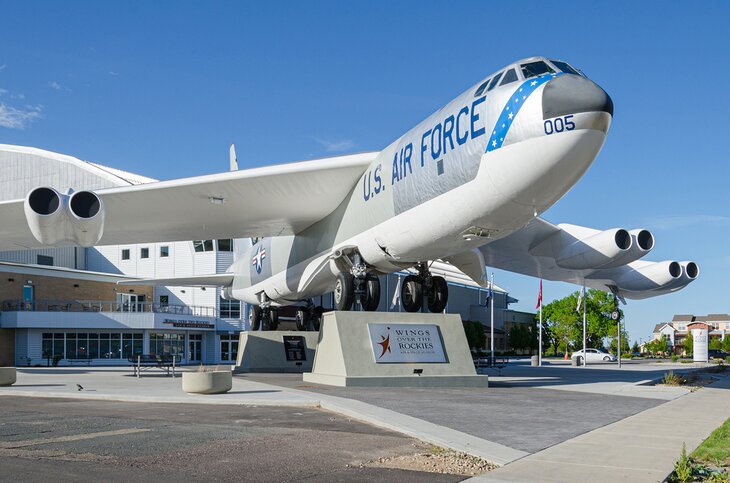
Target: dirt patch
433	459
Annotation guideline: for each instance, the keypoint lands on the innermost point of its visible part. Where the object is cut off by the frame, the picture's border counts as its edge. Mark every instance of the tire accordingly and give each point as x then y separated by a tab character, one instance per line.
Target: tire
344	292
254	317
438	296
371	298
411	294
316	322
273	319
302	319
606	359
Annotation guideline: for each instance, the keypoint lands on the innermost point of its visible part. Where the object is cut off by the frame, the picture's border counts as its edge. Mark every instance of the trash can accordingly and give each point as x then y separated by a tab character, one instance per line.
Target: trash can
534	361
576	361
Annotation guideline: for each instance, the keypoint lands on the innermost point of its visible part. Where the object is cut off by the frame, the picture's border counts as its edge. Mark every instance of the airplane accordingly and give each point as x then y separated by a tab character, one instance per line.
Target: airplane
463	188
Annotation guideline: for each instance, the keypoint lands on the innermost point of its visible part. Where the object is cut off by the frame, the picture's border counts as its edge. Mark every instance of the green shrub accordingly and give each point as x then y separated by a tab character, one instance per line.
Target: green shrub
727	359
671	379
683	467
675	357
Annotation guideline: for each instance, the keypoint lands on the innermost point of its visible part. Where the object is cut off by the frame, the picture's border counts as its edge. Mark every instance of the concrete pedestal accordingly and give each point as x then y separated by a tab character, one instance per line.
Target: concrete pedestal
393	349
276	351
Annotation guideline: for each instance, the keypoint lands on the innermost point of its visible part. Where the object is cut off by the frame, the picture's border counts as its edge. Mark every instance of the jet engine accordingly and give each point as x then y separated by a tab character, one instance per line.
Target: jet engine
596	251
642	242
690	271
650	276
54	217
45	211
87	214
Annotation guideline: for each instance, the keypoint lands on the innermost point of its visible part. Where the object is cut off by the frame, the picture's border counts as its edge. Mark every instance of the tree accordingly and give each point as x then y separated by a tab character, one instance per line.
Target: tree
689	344
715	343
475	335
520	337
726	343
564	323
635	348
656	346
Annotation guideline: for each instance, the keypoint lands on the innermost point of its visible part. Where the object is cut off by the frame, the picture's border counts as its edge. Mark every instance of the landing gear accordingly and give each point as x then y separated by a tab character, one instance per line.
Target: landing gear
307	314
263	316
355	283
414	287
370	297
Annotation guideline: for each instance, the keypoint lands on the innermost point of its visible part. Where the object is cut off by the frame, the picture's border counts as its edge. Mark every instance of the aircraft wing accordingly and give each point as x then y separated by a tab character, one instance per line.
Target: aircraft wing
211	280
268	201
607	260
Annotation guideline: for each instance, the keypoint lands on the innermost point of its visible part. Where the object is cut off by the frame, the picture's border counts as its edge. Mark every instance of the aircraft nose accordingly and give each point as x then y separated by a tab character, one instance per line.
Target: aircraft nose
571	94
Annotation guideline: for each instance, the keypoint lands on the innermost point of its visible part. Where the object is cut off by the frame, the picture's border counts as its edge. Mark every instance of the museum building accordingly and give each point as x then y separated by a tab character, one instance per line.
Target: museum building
64	304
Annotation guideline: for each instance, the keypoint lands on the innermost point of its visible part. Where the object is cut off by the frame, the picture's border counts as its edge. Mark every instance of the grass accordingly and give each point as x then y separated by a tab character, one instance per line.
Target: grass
715	450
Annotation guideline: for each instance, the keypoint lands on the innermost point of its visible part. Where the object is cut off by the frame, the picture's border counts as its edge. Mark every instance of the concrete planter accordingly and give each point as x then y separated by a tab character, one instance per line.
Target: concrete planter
7	376
213	382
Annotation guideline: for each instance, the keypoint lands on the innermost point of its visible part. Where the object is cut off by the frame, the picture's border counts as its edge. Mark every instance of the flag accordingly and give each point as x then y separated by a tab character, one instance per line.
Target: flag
396	294
580	298
489	295
539	297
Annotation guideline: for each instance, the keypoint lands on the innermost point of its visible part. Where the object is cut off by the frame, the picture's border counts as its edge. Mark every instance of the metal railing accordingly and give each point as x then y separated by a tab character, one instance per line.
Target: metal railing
104	306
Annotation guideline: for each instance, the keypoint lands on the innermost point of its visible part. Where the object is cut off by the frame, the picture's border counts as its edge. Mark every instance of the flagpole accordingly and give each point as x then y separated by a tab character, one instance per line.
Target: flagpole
585	358
491	322
539	353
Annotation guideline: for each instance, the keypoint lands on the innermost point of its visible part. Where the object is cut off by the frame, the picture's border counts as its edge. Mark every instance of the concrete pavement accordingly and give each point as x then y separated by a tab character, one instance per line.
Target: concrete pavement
640	448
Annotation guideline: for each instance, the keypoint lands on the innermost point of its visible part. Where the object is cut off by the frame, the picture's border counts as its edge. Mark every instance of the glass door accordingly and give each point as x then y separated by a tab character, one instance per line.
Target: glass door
194	347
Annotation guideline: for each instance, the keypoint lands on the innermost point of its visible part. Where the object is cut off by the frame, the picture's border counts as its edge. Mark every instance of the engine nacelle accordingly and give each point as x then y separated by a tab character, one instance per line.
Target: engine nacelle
651	276
87	215
54	218
690	271
595	251
45	211
642	242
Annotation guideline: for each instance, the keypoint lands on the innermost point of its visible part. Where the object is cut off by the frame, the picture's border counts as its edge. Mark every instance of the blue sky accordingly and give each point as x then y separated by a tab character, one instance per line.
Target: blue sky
162	88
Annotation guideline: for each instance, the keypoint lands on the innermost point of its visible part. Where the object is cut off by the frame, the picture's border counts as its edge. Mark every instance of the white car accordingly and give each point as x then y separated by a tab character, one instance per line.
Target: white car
594	355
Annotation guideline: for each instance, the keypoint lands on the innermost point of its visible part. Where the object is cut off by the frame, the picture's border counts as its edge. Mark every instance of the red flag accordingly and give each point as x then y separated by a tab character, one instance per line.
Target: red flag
539	297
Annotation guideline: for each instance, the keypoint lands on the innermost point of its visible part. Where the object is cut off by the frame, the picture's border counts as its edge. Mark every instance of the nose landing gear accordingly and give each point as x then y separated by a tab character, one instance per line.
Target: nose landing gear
357	284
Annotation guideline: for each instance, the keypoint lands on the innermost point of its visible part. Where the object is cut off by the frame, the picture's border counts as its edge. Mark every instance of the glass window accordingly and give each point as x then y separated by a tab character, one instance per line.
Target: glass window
225	245
164	251
534	69
144	252
564	67
481	88
509	76
230	309
44	260
125	254
494	81
203	245
164	300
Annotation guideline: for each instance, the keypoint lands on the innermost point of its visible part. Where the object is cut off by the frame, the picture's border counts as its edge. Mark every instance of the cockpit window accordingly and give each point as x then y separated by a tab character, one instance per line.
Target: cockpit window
534	69
564	67
494	81
509	76
481	88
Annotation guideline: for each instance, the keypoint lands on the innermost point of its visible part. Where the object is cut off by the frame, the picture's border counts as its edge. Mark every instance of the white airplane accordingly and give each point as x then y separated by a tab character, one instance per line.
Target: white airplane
465	186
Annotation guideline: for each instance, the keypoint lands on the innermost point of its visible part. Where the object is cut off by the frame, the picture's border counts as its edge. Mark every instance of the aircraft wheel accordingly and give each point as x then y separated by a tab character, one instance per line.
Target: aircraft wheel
273	319
344	291
371	298
316	322
438	295
411	294
266	319
302	319
254	317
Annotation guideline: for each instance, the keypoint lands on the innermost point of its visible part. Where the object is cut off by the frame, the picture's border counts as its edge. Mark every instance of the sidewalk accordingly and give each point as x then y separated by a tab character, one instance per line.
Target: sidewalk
640	448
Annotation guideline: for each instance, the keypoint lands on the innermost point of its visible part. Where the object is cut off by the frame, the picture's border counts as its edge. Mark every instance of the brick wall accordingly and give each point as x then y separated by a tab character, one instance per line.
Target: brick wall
7	347
55	288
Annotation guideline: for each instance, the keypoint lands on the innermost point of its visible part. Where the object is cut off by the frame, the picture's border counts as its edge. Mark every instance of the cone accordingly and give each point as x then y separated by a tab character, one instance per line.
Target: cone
566	355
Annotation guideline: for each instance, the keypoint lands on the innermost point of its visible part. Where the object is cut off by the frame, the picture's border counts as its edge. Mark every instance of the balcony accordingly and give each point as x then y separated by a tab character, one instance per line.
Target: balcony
104	306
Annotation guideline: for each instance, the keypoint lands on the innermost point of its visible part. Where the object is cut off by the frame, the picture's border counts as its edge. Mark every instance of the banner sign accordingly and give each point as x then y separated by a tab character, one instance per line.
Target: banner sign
406	343
189	324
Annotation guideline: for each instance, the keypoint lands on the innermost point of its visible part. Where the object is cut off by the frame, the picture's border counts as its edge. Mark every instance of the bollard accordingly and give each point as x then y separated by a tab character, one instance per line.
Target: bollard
535	361
139	363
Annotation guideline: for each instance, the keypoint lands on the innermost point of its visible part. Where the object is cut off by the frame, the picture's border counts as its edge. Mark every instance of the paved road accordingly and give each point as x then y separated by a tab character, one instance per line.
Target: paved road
59	440
524	418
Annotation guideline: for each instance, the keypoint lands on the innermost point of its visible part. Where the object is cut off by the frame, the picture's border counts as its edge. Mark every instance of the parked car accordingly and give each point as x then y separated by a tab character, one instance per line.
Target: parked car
595	355
717	354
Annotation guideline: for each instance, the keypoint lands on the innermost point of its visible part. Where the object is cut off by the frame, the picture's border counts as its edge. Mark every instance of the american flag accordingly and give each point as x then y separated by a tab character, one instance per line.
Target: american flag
539	297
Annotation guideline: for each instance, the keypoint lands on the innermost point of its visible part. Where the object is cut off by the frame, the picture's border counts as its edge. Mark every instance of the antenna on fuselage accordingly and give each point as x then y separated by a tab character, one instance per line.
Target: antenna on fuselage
233	160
